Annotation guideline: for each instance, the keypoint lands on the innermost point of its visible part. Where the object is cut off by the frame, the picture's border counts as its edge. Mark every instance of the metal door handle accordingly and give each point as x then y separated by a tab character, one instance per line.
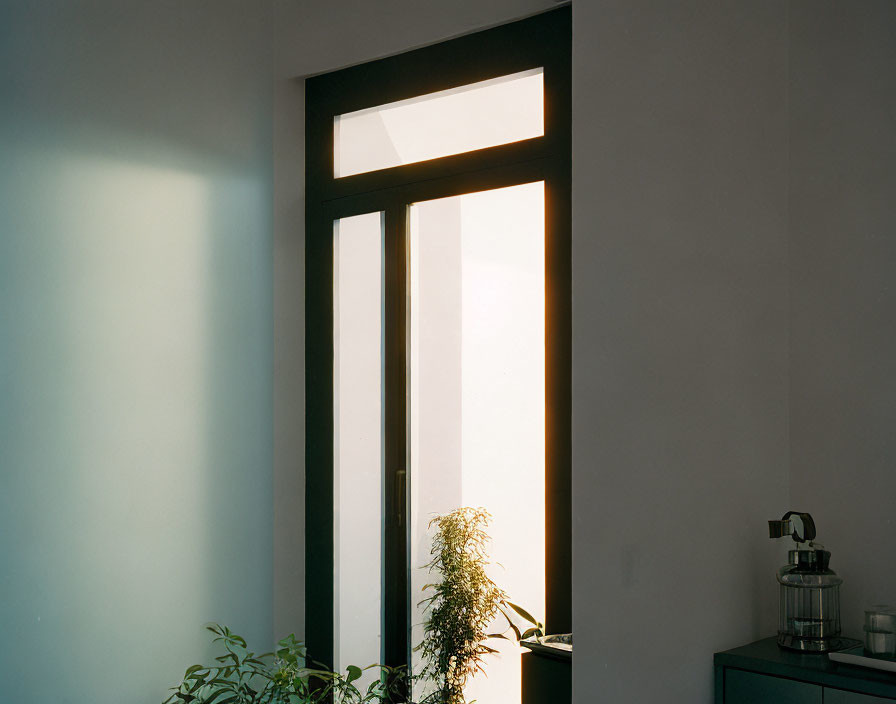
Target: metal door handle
399	498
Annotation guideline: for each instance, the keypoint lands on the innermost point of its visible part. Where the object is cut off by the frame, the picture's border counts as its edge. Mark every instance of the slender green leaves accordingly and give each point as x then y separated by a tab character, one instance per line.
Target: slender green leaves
281	677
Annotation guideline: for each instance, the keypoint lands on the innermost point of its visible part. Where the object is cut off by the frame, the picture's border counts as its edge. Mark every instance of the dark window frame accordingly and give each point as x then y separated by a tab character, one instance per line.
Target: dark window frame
539	41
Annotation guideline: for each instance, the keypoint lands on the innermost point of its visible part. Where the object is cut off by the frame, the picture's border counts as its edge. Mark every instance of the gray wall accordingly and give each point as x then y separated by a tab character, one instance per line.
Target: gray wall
135	341
679	338
843	265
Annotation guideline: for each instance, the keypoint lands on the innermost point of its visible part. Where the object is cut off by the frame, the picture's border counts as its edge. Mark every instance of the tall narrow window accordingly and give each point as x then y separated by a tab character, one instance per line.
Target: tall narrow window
477	393
438	336
357	438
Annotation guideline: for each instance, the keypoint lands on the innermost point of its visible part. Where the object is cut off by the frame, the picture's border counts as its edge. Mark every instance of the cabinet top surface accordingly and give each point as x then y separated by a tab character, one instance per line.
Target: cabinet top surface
764	656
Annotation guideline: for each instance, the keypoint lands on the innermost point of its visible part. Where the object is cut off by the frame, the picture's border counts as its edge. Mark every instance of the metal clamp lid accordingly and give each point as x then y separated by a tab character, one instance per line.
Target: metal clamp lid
778	529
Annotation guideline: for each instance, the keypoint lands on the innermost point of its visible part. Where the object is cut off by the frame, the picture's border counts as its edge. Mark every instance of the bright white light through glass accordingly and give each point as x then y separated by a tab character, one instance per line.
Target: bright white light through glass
479	115
357	439
476	381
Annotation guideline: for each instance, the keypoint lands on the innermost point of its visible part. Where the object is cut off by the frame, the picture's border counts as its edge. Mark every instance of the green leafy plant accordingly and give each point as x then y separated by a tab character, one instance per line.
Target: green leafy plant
462	605
535	629
280	677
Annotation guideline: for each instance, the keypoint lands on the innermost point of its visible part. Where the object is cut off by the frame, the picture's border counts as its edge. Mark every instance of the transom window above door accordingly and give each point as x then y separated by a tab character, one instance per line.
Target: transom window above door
475	116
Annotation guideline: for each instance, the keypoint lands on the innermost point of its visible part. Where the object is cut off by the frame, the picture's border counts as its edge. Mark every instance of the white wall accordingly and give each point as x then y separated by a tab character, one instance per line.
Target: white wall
679	338
135	342
843	313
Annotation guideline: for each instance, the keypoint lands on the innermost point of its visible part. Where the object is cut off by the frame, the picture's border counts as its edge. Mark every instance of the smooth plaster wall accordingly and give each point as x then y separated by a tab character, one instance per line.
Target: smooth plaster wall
679	338
843	265
135	341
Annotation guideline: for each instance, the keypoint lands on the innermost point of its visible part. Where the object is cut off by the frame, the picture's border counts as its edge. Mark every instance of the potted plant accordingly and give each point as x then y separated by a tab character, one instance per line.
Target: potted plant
462	605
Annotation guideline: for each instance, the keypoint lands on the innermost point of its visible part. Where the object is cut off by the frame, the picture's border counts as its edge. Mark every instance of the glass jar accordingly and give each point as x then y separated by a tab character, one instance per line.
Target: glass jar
810	602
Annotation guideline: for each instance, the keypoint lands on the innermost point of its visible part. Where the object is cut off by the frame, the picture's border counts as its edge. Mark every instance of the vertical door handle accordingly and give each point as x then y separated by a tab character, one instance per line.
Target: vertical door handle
399	498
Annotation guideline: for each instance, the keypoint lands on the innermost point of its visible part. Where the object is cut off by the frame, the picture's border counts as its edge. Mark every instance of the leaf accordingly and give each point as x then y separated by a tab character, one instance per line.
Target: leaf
238	650
516	631
498	635
354	673
220	682
191	669
522	612
320	674
531	632
219	693
200	681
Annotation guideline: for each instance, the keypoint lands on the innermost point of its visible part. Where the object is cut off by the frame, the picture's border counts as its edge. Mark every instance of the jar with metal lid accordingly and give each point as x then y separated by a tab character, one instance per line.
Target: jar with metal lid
809	616
809	609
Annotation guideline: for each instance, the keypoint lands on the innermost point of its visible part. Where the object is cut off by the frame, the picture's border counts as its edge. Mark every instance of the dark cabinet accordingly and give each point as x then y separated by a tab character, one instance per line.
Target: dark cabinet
749	688
762	672
546	679
838	696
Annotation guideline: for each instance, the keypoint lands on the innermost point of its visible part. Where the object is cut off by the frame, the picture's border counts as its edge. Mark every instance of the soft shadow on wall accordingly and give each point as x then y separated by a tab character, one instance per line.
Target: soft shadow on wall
135	356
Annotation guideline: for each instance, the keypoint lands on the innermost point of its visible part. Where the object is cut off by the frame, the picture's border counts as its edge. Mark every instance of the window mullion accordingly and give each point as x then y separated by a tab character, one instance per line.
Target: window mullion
395	568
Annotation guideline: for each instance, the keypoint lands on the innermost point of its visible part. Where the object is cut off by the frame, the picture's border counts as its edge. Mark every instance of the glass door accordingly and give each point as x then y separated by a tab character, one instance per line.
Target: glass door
476	377
468	416
437	335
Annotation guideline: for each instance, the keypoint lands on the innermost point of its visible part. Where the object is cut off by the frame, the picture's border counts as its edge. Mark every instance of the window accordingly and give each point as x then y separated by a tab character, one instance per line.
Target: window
484	114
476	393
438	332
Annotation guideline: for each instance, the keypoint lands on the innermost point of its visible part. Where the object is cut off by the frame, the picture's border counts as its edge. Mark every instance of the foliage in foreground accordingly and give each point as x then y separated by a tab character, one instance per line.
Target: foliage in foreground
279	677
459	610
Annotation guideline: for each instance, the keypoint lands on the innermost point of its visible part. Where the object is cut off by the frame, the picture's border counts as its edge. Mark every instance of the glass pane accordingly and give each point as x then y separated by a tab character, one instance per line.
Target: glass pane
357	438
476	379
475	116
